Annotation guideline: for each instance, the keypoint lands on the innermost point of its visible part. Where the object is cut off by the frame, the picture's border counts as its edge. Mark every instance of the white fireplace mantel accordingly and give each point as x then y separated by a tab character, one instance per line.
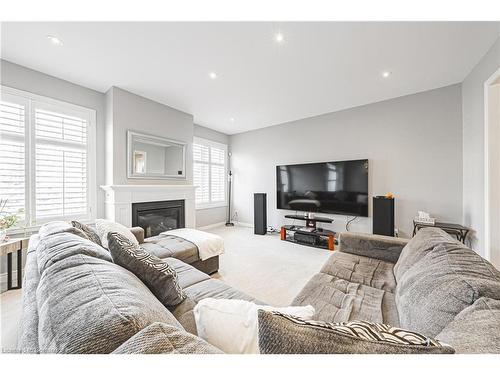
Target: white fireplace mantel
119	199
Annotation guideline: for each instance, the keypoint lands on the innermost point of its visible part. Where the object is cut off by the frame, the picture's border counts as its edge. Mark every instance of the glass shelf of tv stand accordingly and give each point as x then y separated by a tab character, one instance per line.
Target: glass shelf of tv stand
325	239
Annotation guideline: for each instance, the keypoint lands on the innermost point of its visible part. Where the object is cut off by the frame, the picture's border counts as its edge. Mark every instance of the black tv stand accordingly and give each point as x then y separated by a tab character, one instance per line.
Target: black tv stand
316	237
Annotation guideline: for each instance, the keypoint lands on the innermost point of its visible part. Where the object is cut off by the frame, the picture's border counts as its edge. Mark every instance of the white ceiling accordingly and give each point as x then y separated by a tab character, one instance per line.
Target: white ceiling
320	67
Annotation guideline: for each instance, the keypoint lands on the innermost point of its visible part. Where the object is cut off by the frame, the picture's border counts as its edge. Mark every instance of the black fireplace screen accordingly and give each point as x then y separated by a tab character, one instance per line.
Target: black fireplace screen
157	217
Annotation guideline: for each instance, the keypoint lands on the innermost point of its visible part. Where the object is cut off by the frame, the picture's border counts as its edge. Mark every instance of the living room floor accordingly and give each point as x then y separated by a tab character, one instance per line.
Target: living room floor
271	270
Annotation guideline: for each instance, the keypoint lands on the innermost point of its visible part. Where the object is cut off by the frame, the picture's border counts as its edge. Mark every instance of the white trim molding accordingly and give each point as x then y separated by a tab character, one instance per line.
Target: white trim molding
119	199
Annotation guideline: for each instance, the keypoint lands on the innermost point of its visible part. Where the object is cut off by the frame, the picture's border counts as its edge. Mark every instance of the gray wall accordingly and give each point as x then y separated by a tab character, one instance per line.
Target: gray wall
216	215
473	143
413	143
133	112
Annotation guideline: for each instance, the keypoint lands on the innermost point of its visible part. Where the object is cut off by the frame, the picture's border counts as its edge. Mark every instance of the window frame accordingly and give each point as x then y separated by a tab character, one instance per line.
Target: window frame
31	102
209	143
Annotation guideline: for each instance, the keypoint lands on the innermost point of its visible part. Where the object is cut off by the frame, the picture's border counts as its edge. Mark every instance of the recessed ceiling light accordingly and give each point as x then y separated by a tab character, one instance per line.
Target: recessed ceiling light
55	40
212	75
386	74
231	119
279	37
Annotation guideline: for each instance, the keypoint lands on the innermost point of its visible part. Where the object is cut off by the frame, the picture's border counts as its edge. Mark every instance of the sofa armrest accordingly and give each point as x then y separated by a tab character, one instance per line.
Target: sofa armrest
138	232
372	245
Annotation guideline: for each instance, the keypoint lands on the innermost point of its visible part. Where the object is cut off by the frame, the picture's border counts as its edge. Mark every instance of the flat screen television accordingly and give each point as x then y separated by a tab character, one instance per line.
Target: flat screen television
335	187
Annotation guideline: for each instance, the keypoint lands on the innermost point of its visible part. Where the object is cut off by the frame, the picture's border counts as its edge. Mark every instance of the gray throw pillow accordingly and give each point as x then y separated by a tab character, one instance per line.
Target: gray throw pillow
89	232
154	272
284	334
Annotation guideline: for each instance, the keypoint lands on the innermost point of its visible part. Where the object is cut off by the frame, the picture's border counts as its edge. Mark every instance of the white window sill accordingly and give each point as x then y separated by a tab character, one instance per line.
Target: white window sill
210	205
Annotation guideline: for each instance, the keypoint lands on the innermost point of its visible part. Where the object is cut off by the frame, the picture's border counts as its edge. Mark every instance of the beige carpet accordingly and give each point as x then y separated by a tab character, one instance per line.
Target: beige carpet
265	267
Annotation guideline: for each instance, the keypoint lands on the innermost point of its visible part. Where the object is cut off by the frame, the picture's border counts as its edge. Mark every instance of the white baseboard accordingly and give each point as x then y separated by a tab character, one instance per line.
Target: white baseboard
246	225
210	226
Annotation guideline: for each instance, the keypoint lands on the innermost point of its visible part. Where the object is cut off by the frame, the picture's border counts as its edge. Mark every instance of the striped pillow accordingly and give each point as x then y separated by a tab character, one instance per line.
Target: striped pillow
154	272
89	232
285	334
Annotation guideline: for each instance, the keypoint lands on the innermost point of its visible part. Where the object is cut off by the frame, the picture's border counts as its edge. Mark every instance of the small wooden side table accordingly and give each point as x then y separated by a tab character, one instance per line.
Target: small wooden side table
8	247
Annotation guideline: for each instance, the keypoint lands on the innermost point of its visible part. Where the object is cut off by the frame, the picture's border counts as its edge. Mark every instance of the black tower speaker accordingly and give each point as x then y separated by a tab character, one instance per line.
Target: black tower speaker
260	213
383	216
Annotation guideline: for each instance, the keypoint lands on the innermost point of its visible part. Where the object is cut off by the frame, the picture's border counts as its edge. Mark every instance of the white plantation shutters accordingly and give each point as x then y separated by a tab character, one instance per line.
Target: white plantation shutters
46	158
60	165
12	155
209	173
201	173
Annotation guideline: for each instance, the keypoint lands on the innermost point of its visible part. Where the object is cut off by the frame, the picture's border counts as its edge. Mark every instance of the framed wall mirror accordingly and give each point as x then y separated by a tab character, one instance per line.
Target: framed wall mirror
152	157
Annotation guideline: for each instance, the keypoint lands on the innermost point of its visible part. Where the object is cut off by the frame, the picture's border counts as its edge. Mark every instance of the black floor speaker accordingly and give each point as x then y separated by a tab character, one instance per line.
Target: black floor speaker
260	213
383	216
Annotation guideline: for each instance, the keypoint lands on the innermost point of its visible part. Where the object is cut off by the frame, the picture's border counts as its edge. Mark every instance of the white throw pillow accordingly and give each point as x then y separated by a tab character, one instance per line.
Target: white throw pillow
104	226
232	325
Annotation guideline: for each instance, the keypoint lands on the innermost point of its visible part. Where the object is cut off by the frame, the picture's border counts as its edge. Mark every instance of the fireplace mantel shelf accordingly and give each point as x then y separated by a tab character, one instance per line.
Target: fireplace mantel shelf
139	187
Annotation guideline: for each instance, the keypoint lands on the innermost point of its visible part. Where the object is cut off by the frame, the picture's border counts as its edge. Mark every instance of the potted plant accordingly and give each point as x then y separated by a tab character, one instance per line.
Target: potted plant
7	220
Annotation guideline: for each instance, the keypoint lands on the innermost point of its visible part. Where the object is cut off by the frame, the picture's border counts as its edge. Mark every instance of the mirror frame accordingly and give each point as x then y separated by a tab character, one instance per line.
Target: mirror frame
131	135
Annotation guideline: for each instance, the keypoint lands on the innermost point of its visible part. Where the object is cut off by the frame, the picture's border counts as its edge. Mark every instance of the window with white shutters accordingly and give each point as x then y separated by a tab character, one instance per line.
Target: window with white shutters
12	155
60	165
46	154
209	173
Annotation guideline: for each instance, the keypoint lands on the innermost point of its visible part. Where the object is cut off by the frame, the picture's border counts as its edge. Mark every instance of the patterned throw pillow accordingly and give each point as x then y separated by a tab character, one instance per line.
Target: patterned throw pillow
91	234
154	272
284	334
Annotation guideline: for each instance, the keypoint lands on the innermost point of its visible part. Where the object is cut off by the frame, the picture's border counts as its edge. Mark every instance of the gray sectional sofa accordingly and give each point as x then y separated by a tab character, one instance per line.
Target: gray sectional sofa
76	300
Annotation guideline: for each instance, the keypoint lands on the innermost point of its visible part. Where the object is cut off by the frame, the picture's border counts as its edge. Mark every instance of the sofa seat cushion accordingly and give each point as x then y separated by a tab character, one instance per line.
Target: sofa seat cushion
187	275
89	305
362	270
171	246
339	300
161	338
213	288
448	279
475	329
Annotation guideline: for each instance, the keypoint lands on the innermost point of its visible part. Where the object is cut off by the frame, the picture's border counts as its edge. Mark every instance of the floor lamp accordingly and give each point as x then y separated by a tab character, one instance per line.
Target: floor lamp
229	180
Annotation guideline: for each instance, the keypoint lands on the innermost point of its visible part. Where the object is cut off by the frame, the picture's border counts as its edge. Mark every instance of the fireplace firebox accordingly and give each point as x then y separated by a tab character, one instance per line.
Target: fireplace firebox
157	217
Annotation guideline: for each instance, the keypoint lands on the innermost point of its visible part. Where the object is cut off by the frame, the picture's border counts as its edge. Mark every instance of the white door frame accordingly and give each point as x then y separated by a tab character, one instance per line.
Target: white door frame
487	156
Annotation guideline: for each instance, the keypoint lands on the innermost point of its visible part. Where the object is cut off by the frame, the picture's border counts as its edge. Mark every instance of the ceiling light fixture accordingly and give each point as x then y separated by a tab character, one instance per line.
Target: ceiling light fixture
279	37
212	75
231	119
386	74
55	40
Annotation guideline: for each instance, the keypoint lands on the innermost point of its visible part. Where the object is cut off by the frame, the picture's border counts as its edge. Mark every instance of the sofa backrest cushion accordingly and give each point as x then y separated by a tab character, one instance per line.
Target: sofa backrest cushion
89	305
419	245
475	329
61	245
445	280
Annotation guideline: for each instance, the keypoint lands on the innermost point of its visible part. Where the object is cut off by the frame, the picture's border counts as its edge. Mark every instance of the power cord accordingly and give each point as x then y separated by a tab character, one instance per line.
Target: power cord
349	223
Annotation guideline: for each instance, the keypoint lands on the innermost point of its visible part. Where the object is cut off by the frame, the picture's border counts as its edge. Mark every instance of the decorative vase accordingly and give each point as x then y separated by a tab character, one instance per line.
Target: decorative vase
3	234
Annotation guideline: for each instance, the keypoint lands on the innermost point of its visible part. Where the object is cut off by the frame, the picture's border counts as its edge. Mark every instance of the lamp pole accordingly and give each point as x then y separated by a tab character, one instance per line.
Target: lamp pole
228	222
